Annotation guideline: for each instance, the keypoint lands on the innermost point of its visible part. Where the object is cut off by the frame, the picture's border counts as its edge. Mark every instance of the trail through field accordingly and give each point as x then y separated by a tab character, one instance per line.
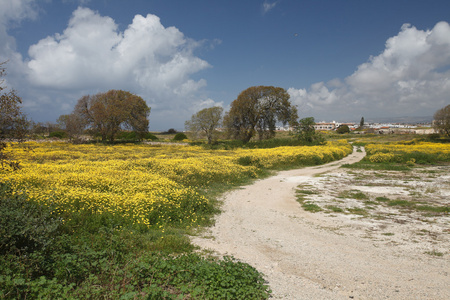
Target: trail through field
301	255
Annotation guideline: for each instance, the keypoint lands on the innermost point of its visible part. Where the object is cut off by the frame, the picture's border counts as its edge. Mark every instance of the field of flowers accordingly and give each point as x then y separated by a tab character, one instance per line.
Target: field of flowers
413	152
145	184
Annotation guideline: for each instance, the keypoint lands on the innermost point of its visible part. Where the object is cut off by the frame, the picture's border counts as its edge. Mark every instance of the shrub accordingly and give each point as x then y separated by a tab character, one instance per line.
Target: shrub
25	226
171	131
343	129
150	136
180	136
58	134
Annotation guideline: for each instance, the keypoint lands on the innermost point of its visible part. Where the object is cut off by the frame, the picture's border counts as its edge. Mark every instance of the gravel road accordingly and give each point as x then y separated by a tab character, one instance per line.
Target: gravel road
263	225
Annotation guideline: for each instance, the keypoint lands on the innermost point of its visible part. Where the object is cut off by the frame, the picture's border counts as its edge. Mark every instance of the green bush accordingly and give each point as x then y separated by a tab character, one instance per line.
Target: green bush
25	226
180	136
150	136
58	134
343	129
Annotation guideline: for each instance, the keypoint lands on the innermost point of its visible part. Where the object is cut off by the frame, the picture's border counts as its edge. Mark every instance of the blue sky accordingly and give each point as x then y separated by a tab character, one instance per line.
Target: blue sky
339	60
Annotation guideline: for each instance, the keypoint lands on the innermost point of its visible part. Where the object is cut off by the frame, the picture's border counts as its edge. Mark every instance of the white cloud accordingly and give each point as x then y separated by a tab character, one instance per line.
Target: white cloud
410	77
268	6
91	55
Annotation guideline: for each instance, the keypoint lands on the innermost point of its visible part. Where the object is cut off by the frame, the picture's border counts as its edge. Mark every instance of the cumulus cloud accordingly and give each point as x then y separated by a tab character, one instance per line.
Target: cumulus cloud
91	52
12	13
410	77
91	55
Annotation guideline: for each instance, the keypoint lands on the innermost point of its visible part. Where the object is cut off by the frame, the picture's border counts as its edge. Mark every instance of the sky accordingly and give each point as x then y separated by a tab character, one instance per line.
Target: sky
338	59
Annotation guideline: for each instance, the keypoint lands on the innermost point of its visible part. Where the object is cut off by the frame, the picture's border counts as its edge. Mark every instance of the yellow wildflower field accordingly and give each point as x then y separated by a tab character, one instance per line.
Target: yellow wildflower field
146	184
421	152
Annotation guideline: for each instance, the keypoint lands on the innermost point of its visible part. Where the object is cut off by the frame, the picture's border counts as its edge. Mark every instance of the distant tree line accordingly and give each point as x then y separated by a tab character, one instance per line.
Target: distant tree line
254	114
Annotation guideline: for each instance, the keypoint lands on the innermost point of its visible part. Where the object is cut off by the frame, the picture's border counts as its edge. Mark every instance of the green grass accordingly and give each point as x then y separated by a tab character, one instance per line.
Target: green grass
334	208
382	199
306	192
402	203
353	195
434	253
311	207
358	211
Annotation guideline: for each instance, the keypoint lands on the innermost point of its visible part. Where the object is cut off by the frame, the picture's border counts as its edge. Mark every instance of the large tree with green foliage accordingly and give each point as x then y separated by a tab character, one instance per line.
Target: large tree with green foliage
442	120
257	110
205	121
107	113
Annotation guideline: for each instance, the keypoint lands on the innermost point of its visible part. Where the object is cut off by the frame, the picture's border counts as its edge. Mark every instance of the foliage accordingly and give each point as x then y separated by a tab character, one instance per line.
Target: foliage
134	136
106	113
25	226
13	123
180	136
206	121
58	134
442	120
306	132
150	136
170	131
257	110
72	124
343	129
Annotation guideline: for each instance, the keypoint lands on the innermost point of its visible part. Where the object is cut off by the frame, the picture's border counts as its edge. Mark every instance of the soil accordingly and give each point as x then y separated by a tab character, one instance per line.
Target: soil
375	236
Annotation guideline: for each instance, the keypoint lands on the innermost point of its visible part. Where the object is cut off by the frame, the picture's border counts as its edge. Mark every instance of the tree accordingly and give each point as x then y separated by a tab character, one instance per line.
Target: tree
13	123
307	133
257	110
442	120
343	129
107	113
72	124
206	121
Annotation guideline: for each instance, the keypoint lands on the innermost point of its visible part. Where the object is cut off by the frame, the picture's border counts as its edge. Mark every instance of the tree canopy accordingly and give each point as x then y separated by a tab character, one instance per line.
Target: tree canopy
257	111
307	133
442	120
106	113
343	129
205	121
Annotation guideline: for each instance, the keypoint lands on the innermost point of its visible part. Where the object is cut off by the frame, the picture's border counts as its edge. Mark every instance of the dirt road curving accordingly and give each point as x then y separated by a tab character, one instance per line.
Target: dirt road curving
303	258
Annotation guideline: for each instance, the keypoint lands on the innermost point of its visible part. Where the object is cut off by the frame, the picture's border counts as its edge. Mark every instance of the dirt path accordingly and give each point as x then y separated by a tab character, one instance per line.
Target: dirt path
263	225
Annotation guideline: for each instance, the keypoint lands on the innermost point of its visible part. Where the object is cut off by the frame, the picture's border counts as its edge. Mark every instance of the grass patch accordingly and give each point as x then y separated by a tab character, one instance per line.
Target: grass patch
334	208
306	192
357	211
311	207
434	253
433	209
353	195
382	199
402	203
